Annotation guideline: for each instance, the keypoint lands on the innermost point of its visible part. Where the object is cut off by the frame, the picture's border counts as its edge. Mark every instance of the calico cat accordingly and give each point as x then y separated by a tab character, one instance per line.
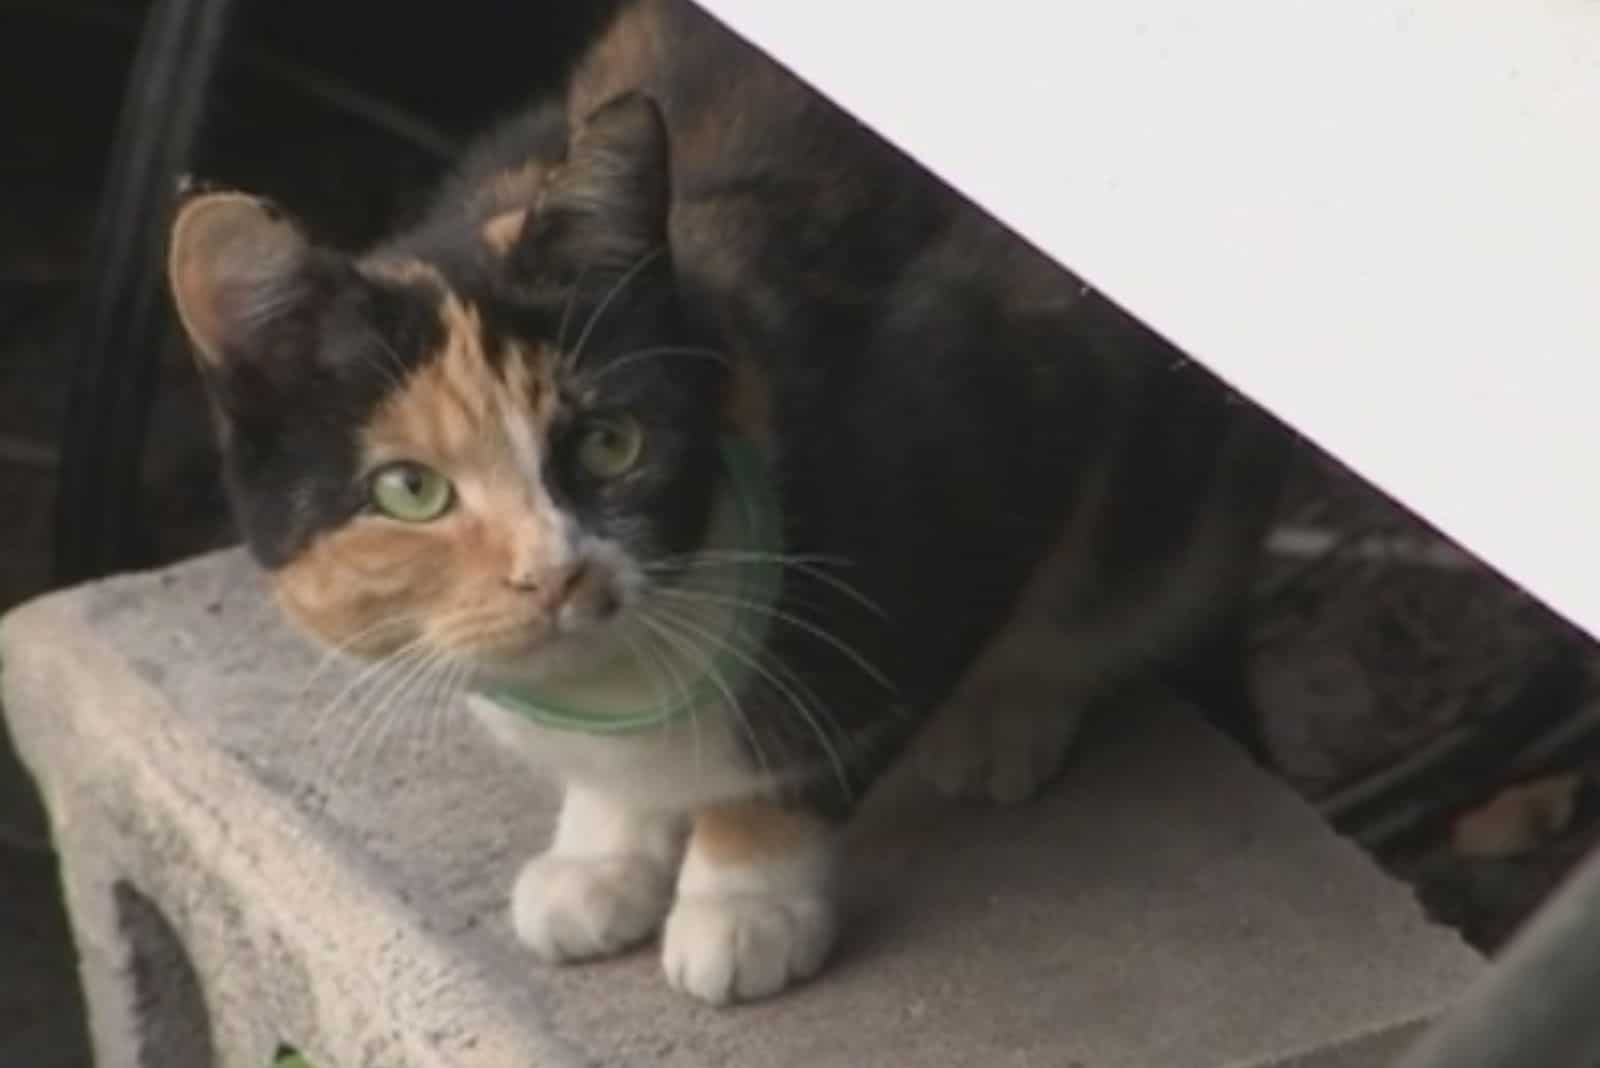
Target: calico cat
726	445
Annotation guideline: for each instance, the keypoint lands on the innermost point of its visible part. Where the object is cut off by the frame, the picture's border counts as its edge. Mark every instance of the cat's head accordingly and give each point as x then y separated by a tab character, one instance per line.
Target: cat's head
495	456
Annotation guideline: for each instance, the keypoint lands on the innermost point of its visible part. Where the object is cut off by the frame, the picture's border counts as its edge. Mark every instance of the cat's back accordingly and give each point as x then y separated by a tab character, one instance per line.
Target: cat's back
749	139
725	103
790	211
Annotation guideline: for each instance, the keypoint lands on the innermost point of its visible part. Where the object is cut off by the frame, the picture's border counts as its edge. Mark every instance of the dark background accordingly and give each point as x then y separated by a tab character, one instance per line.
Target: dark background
304	109
345	112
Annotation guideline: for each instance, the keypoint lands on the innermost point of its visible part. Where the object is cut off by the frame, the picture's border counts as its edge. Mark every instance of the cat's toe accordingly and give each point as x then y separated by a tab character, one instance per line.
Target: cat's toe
723	949
1003	736
577	908
1027	749
949	756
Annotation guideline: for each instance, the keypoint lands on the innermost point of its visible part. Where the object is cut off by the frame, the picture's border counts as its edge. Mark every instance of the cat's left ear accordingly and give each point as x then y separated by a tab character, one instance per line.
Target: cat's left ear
606	208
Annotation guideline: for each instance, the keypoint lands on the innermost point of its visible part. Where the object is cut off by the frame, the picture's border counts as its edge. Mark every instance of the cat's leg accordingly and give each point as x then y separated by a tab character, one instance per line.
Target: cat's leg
755	909
605	882
1012	718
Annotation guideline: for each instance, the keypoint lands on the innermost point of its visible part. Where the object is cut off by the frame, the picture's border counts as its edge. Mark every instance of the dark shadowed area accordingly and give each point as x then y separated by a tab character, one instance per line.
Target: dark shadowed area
344	111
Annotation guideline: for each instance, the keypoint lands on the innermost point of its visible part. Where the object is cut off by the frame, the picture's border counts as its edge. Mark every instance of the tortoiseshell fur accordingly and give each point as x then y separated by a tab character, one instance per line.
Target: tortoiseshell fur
1001	496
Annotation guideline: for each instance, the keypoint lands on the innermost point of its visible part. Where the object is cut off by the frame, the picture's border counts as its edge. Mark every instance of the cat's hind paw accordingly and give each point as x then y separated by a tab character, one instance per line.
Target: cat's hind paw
568	908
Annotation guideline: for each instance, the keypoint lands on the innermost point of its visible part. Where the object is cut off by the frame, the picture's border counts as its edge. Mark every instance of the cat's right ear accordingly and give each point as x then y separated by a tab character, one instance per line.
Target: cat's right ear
605	207
239	270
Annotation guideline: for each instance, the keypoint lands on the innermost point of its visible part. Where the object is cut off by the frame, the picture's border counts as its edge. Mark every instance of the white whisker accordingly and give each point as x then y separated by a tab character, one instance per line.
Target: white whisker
810	566
368	674
566	308
680	689
345	647
658	351
784	689
380	713
617	287
781	616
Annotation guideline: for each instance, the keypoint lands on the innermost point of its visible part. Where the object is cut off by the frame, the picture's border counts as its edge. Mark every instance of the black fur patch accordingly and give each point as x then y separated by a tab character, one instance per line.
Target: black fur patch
296	398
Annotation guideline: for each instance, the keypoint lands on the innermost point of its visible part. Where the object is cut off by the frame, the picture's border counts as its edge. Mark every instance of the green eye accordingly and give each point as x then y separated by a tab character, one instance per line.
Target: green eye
610	446
411	492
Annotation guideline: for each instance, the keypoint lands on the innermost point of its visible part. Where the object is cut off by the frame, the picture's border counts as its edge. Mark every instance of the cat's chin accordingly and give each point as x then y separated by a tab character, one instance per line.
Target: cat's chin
554	657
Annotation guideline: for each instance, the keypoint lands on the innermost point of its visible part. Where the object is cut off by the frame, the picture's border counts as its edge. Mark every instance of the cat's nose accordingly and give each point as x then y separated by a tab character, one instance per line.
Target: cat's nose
590	597
557	582
524	582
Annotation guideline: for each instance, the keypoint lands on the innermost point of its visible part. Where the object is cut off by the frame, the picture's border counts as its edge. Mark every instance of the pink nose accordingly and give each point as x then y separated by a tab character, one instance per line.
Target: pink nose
556	584
575	595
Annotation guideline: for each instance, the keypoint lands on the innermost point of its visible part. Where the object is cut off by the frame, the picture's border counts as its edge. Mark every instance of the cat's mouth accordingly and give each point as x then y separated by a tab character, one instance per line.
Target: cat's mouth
577	631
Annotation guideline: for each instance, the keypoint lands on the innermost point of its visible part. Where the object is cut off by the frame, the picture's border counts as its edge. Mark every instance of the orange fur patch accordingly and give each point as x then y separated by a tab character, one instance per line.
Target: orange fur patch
368	584
484	427
502	231
404	271
451	412
750	831
517	188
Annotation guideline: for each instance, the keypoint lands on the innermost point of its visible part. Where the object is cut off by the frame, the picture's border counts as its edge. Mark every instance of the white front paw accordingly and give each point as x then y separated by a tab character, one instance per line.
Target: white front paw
569	908
739	947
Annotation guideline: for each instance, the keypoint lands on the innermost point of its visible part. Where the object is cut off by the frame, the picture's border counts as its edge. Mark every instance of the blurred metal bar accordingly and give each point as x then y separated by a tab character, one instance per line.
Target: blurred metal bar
1536	1008
122	320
